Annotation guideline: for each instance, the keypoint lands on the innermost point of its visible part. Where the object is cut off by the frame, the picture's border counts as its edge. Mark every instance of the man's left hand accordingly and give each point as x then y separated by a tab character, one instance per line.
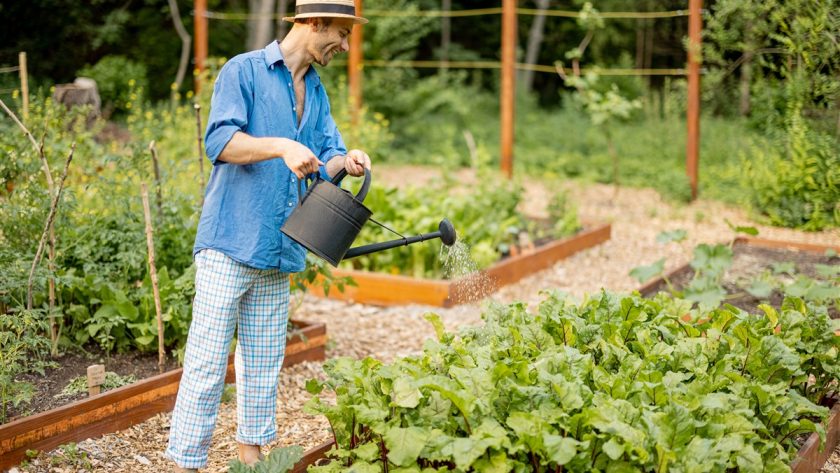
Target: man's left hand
356	162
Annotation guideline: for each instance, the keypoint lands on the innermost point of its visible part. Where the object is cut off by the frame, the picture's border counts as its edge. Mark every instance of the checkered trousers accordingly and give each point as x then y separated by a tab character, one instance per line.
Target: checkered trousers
230	295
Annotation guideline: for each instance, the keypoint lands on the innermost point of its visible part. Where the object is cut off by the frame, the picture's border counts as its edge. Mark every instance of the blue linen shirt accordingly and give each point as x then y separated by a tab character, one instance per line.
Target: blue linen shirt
245	205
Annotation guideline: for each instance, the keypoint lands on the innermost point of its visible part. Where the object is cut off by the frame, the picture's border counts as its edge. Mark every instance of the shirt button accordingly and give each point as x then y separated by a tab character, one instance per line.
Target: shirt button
290	204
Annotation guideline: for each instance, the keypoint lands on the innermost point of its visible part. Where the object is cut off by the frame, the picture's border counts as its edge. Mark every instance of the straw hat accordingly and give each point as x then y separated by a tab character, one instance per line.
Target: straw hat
326	8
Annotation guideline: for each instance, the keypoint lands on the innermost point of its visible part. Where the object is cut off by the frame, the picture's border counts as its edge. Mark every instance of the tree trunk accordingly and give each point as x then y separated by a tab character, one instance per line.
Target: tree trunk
186	39
746	81
445	31
282	26
260	27
746	71
640	43
535	37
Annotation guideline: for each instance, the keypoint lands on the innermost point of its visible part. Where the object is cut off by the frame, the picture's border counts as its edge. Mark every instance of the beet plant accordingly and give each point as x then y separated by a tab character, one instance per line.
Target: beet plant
615	383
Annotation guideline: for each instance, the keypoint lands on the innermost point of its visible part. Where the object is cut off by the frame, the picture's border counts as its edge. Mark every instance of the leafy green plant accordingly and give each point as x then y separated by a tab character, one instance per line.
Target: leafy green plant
23	349
612	384
278	460
795	183
70	455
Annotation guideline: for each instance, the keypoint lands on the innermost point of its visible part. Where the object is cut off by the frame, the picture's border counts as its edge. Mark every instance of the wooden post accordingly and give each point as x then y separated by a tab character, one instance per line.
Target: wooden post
508	89
24	84
150	244
156	170
201	190
693	118
200	33
355	64
95	379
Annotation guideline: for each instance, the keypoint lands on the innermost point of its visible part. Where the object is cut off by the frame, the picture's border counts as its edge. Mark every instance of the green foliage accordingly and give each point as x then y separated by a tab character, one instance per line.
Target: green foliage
612	384
70	455
23	349
564	215
279	460
78	385
797	182
118	80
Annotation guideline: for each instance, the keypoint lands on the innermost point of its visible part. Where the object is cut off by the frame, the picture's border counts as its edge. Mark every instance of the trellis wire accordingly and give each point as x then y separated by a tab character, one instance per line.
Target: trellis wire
9	69
519	65
461	13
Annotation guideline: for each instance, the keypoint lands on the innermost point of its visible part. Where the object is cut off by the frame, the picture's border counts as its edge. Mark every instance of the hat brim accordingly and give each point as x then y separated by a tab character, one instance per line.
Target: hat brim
356	19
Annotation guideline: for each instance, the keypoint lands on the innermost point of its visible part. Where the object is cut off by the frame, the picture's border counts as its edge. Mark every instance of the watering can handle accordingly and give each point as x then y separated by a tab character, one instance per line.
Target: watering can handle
360	196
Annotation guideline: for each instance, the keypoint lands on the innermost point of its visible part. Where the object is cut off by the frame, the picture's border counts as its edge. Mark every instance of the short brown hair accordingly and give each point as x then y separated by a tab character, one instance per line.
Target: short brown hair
323	22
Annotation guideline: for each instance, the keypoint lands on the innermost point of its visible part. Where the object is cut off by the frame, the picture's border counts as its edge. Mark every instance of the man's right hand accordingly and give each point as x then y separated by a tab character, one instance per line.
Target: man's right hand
300	159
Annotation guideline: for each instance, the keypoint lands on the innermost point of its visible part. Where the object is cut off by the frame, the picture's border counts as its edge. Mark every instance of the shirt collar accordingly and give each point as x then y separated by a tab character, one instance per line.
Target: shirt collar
274	55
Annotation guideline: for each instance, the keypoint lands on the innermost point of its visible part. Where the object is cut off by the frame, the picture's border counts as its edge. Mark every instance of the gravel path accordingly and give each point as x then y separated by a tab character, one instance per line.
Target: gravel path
637	216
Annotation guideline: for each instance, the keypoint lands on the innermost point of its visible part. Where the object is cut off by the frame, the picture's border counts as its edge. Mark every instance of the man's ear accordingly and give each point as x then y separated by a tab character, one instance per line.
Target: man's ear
318	24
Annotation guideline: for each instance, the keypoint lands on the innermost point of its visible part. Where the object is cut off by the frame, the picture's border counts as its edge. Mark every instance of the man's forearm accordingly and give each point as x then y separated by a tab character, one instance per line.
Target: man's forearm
246	149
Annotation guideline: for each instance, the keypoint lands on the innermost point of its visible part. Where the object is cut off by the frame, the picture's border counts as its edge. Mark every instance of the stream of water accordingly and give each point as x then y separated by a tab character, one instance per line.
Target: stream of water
459	266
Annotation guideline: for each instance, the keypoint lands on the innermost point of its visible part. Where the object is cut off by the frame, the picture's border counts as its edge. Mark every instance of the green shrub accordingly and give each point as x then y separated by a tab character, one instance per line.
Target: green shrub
797	182
118	80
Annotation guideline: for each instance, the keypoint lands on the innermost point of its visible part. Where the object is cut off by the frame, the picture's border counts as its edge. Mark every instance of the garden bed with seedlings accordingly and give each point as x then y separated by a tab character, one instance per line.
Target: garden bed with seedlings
128	405
754	271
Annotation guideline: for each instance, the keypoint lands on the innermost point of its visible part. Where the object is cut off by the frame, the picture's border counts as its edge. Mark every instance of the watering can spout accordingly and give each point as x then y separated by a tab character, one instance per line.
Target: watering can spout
446	233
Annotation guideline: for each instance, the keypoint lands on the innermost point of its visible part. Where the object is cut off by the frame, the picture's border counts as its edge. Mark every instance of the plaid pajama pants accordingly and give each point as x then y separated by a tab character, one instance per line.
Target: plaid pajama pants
230	295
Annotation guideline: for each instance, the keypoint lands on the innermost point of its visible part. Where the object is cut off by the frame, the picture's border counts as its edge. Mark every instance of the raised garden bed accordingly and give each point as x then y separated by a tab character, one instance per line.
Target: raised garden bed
752	257
387	290
761	254
129	405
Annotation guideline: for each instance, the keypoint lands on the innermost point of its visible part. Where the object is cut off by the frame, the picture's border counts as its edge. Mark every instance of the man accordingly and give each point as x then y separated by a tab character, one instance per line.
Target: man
270	125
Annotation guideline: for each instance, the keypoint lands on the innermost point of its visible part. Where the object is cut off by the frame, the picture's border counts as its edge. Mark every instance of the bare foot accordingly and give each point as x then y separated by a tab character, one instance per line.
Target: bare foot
249	454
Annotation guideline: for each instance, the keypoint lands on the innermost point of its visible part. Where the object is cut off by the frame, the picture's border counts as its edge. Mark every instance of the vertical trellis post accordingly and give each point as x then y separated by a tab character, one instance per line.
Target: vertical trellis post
200	33
354	67
693	116
508	88
24	85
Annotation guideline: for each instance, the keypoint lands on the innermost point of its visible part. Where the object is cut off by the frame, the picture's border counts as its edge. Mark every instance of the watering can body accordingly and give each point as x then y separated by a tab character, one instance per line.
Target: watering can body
328	218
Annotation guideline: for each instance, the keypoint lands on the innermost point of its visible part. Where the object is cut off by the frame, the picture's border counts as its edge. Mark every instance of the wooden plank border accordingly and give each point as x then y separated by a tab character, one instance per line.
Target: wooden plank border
387	290
811	458
129	405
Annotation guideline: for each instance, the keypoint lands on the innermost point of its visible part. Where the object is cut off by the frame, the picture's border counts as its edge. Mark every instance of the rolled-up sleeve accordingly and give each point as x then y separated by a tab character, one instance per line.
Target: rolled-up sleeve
233	100
332	144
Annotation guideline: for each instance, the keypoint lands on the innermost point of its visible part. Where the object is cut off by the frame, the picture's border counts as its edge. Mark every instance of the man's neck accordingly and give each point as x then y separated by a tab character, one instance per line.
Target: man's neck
295	56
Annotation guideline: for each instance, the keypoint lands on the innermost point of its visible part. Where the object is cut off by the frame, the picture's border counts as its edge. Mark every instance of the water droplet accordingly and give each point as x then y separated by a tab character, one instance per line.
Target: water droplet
471	284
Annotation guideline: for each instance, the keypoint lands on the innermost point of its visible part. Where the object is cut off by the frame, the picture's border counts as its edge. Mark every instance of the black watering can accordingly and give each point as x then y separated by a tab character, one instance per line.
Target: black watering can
329	218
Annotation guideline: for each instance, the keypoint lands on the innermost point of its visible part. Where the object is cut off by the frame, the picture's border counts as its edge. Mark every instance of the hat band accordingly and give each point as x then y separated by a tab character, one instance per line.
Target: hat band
326	8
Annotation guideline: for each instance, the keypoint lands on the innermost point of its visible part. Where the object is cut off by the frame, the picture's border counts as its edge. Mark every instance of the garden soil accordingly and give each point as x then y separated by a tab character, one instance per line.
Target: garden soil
751	262
637	216
72	365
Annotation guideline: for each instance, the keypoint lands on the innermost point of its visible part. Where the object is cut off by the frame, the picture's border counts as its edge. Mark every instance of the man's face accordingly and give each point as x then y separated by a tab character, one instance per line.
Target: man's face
330	40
